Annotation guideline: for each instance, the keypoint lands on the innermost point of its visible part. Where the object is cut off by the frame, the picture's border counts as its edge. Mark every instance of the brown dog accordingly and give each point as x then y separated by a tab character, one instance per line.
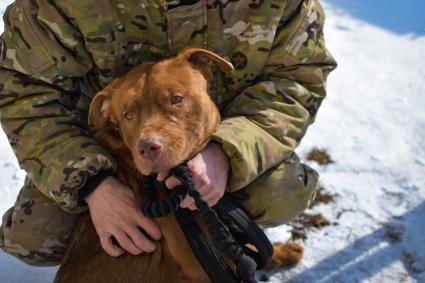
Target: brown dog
153	118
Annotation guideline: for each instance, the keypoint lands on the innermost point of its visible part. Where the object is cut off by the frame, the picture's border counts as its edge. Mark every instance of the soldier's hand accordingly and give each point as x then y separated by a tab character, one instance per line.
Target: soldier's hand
210	170
115	213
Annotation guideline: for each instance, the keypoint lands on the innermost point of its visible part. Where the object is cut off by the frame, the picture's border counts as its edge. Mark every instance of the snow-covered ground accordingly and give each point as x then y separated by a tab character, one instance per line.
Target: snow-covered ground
373	125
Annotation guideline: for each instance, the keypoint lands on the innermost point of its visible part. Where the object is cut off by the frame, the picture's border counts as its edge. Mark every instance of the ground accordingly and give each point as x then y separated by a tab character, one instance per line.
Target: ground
373	127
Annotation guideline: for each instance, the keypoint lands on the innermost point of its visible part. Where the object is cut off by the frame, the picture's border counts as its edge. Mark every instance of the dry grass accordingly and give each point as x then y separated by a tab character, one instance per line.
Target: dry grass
320	155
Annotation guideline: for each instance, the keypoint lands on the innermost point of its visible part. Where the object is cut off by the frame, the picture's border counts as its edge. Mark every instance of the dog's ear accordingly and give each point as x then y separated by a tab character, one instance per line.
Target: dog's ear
100	111
203	59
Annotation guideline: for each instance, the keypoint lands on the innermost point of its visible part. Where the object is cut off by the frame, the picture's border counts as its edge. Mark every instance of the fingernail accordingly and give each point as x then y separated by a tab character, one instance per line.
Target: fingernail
152	246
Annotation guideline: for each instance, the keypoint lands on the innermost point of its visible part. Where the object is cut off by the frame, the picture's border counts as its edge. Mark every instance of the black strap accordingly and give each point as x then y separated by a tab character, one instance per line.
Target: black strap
232	223
153	207
208	256
245	265
245	231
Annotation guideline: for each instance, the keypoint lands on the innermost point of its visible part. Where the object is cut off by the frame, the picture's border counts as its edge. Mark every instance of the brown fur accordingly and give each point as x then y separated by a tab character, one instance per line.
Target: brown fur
135	106
285	255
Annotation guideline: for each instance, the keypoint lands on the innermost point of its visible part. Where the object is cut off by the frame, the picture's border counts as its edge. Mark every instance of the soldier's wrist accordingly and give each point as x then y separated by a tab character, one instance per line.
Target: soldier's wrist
91	185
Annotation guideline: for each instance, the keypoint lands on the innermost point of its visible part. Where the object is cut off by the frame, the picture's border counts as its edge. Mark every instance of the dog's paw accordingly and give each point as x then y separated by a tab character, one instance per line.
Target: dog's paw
285	255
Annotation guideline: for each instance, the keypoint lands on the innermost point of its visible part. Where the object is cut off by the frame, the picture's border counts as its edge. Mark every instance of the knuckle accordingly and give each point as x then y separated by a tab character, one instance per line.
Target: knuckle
143	221
121	217
192	165
203	182
196	170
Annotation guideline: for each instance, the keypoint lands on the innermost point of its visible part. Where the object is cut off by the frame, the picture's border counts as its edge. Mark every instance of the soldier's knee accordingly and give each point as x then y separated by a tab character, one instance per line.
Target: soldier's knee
24	249
36	230
29	245
280	194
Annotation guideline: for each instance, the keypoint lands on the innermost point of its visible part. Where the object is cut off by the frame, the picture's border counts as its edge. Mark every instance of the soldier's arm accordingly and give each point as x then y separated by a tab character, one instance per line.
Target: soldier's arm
268	119
42	110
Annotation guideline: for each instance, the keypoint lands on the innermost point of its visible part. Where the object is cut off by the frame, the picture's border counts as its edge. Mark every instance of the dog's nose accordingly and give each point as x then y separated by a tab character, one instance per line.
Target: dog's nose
150	147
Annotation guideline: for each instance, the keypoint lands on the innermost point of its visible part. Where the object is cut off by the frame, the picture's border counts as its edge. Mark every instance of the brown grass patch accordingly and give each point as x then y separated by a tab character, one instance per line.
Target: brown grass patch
320	155
304	222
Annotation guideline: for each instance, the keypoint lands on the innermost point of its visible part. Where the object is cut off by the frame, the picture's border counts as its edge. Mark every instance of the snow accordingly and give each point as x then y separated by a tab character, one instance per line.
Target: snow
373	125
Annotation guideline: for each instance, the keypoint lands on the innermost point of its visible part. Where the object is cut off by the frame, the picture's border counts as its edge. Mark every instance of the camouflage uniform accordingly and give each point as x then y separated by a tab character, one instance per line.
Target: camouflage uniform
56	54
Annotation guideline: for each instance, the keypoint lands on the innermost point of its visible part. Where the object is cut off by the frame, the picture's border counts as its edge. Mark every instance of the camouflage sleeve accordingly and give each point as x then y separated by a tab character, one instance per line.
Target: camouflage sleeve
263	125
42	110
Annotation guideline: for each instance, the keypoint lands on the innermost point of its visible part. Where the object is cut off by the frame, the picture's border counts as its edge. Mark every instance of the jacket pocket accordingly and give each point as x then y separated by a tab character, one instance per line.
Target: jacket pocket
26	49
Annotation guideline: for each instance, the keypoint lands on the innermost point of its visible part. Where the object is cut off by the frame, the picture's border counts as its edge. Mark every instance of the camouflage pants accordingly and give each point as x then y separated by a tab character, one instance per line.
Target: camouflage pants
36	230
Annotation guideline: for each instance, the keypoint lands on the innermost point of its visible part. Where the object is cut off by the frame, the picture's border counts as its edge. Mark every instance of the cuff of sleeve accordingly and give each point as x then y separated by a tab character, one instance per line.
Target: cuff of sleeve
229	135
250	150
91	184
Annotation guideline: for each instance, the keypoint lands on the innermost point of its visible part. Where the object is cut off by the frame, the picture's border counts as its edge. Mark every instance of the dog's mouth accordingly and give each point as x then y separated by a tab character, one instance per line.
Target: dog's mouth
162	162
156	167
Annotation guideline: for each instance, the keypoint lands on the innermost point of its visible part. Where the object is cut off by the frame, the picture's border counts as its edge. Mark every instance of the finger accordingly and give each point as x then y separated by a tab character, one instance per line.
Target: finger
162	175
203	185
172	182
201	181
149	226
126	243
109	248
192	207
210	193
140	240
197	166
214	200
191	164
187	202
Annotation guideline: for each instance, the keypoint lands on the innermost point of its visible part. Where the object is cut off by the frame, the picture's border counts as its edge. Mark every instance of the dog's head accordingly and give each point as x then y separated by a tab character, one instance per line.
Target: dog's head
161	113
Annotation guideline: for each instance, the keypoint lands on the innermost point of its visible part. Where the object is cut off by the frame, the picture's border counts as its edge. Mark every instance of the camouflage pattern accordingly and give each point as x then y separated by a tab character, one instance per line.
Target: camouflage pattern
36	230
56	54
281	193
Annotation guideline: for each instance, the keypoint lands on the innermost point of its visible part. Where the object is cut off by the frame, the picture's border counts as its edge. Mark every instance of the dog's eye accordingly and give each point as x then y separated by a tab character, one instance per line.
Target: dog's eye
128	115
176	98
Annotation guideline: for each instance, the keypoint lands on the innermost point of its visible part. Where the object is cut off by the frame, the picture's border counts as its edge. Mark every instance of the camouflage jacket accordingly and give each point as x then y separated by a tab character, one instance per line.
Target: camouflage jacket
56	54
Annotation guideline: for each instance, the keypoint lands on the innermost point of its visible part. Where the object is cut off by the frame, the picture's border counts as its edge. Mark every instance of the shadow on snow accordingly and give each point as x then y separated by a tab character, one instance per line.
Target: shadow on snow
370	254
